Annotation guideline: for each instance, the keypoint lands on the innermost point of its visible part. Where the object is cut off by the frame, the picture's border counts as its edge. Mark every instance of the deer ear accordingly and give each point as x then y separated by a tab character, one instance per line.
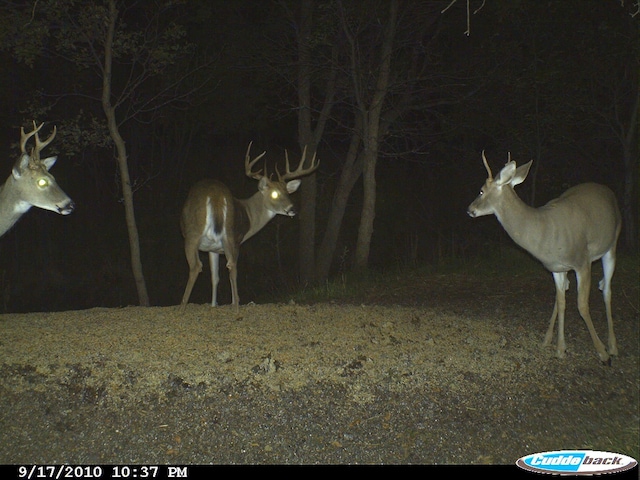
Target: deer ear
293	185
506	174
49	162
521	173
263	184
20	165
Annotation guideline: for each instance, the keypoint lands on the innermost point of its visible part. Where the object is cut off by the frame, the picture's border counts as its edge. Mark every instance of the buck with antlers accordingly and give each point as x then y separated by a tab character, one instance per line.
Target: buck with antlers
31	184
568	233
214	221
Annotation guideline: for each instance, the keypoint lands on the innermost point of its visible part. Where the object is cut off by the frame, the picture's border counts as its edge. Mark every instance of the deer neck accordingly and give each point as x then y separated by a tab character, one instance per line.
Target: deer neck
257	214
10	209
519	220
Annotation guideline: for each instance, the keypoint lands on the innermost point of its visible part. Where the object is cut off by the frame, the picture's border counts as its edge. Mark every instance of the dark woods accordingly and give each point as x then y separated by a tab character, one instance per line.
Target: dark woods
397	101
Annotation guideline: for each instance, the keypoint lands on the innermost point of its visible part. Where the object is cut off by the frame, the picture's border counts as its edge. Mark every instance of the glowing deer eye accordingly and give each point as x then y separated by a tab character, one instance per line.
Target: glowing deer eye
43	182
274	194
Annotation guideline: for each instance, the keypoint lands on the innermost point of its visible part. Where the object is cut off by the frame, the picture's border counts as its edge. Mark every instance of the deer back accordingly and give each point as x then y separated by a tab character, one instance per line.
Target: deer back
591	211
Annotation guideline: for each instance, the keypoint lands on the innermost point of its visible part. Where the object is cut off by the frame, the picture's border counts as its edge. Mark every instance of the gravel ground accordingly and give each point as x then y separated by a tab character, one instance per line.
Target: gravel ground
429	369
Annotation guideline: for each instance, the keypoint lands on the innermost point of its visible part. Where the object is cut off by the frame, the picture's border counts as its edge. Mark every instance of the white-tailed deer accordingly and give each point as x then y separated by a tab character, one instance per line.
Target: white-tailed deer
214	221
31	184
568	233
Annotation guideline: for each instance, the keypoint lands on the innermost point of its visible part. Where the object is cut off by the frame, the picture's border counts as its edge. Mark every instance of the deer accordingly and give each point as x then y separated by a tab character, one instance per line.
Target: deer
30	183
568	233
214	221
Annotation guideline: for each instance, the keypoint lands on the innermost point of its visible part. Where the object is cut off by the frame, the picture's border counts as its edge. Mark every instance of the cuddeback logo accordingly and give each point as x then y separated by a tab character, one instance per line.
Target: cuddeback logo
576	462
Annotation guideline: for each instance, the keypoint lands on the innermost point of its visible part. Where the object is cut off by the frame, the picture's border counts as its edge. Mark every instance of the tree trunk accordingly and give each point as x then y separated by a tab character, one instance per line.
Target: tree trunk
371	129
365	230
127	193
630	199
307	234
310	138
351	171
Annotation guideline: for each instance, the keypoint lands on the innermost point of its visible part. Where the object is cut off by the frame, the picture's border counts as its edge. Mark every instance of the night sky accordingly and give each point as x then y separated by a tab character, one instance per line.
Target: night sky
195	81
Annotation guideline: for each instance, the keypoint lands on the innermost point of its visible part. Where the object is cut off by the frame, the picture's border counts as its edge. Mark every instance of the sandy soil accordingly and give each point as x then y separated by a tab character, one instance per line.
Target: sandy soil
433	369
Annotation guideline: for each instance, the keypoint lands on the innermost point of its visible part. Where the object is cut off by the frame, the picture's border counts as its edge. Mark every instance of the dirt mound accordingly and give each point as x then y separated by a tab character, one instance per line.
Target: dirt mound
461	382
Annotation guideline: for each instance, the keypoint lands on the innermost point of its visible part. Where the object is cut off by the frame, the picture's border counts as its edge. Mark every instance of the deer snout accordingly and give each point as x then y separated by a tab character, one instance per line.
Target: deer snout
473	211
290	211
67	208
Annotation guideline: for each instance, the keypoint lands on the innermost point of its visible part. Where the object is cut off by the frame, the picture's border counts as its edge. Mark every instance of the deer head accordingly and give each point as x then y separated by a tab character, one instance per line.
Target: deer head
34	184
275	193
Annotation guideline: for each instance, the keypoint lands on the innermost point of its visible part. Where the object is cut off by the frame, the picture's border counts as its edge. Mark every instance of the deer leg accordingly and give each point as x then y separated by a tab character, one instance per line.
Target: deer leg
549	335
608	267
195	267
562	284
231	252
584	284
214	260
233	277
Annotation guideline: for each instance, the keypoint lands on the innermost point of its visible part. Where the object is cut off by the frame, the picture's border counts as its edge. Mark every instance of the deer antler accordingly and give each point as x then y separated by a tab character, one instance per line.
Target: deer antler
248	164
24	137
486	165
40	145
300	171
